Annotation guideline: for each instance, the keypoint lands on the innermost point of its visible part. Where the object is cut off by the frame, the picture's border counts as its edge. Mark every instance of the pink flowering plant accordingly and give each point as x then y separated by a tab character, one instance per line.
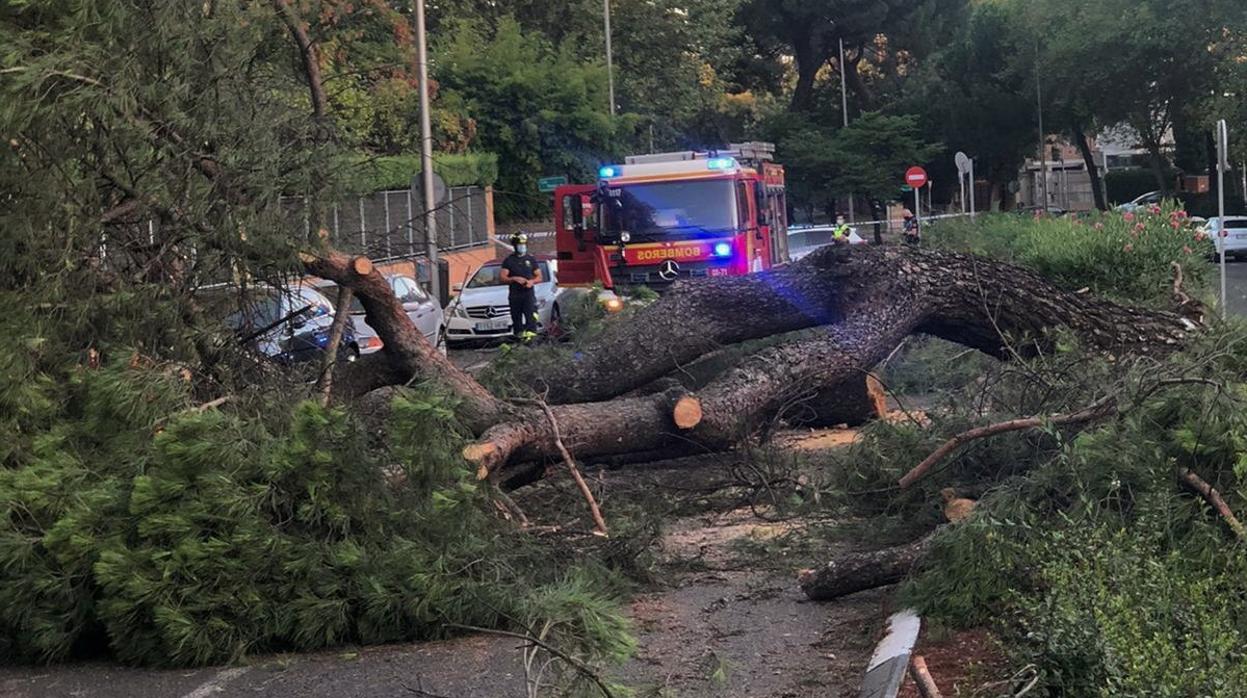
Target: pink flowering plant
1126	256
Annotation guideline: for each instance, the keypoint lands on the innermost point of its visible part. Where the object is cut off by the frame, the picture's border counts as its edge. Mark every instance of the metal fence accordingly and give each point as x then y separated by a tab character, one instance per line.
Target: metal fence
390	224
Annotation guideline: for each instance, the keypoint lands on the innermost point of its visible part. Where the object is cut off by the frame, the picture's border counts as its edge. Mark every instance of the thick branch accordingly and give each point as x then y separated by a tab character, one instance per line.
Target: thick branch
307	51
854	572
1102	409
922	678
961	298
406	353
1199	486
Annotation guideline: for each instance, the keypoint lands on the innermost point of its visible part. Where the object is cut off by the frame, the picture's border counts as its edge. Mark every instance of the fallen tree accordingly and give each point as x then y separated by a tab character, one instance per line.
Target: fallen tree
864	301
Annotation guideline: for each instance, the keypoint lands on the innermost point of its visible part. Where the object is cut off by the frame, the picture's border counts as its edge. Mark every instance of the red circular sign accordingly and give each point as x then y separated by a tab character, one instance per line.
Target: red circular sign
916	177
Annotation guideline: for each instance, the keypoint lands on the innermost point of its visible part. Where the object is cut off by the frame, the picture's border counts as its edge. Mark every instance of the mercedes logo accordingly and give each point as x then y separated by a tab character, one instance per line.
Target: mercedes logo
668	270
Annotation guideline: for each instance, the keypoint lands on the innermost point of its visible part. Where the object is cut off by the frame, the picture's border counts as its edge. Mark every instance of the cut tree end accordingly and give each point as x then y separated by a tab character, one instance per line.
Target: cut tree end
687	412
483	454
361	266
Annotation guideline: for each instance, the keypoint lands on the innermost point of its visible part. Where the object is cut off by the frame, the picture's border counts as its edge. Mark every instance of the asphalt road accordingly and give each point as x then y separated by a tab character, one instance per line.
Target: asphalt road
1235	286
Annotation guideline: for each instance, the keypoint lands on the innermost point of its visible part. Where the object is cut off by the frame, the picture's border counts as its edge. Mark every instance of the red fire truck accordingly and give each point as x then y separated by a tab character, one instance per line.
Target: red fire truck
668	216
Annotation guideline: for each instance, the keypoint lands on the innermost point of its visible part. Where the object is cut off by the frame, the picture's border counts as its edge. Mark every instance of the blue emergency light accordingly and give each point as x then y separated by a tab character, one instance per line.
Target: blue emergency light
723	249
608	172
720	163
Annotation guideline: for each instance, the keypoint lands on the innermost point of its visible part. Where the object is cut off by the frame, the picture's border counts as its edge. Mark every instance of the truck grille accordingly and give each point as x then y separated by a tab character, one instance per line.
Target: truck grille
488	312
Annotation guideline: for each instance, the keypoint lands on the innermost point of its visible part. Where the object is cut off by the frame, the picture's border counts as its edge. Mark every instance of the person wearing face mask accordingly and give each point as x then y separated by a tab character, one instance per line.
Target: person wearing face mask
521	272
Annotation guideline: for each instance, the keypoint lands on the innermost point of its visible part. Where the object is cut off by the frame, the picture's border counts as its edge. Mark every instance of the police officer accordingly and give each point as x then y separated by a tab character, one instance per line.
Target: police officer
521	272
840	235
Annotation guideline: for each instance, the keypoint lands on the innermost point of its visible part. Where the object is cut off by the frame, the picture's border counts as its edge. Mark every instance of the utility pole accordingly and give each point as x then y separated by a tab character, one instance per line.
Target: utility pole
426	153
844	108
1043	142
1223	164
610	68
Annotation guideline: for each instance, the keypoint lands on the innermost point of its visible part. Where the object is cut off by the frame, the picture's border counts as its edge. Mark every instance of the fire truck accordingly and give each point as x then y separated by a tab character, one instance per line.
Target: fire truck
662	217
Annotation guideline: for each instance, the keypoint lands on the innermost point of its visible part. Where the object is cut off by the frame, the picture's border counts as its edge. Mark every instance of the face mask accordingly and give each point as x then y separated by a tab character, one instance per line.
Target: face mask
522	249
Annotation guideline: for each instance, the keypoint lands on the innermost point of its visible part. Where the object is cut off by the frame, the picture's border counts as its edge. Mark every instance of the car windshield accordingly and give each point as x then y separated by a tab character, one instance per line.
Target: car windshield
491	275
1236	224
680	208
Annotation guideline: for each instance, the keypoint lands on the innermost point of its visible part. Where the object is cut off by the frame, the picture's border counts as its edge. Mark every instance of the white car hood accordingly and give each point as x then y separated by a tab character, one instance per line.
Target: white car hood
498	295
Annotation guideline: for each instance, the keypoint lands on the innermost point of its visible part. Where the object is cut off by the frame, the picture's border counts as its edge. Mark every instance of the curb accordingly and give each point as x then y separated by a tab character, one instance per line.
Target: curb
888	664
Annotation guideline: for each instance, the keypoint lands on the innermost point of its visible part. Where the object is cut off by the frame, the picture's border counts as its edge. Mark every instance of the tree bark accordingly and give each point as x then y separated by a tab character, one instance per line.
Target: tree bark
854	572
877	297
405	355
1093	170
962	298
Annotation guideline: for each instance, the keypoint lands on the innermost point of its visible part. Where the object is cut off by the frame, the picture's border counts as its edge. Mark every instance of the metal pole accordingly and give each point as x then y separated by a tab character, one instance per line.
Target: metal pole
1043	144
1223	147
961	184
1243	168
844	108
918	211
973	211
610	67
426	152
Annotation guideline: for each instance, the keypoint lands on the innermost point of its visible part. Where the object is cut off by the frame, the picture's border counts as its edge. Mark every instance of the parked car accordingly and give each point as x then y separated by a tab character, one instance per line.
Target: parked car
1143	200
481	312
424	310
287	324
1230	232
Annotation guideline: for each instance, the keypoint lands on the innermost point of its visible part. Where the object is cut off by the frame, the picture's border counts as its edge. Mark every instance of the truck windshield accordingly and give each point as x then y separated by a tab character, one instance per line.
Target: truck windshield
685	209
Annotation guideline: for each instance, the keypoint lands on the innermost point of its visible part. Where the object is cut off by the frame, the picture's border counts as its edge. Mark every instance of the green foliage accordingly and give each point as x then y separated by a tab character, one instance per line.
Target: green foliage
1126	185
1128	257
863	158
228	533
538	106
1083	547
397	171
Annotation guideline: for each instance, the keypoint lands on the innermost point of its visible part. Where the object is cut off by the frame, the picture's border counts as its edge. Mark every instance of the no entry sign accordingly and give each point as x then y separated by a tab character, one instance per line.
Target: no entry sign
916	177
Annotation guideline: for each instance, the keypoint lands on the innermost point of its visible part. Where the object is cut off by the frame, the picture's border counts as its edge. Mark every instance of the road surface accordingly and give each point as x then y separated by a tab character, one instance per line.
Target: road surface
1236	286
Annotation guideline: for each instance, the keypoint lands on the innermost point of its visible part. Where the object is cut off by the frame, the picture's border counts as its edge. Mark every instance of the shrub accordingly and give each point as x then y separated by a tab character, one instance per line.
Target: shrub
1127	257
1083	549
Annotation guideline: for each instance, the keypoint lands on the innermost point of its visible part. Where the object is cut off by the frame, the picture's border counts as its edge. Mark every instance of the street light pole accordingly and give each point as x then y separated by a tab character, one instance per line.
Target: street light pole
1043	142
844	108
426	152
610	68
1223	161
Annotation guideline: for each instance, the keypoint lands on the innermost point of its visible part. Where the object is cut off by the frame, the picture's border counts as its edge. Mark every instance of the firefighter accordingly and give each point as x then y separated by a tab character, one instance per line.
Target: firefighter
840	235
521	272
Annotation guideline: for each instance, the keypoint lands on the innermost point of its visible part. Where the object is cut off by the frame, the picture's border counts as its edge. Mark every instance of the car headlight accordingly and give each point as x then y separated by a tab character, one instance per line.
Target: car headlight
460	311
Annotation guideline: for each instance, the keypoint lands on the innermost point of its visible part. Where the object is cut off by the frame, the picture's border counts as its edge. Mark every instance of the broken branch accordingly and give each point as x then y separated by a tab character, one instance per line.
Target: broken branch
1101	409
922	678
1201	487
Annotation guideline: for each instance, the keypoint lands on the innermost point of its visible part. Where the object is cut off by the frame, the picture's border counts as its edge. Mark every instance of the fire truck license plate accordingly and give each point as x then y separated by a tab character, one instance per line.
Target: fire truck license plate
493	325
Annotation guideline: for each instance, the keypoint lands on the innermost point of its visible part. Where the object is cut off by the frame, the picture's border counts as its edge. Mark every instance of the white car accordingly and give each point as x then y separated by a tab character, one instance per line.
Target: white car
1152	198
482	312
1231	232
423	309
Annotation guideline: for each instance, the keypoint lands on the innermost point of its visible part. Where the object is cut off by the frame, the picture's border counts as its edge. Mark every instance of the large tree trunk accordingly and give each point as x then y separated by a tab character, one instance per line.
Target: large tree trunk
865	299
873	297
1093	170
